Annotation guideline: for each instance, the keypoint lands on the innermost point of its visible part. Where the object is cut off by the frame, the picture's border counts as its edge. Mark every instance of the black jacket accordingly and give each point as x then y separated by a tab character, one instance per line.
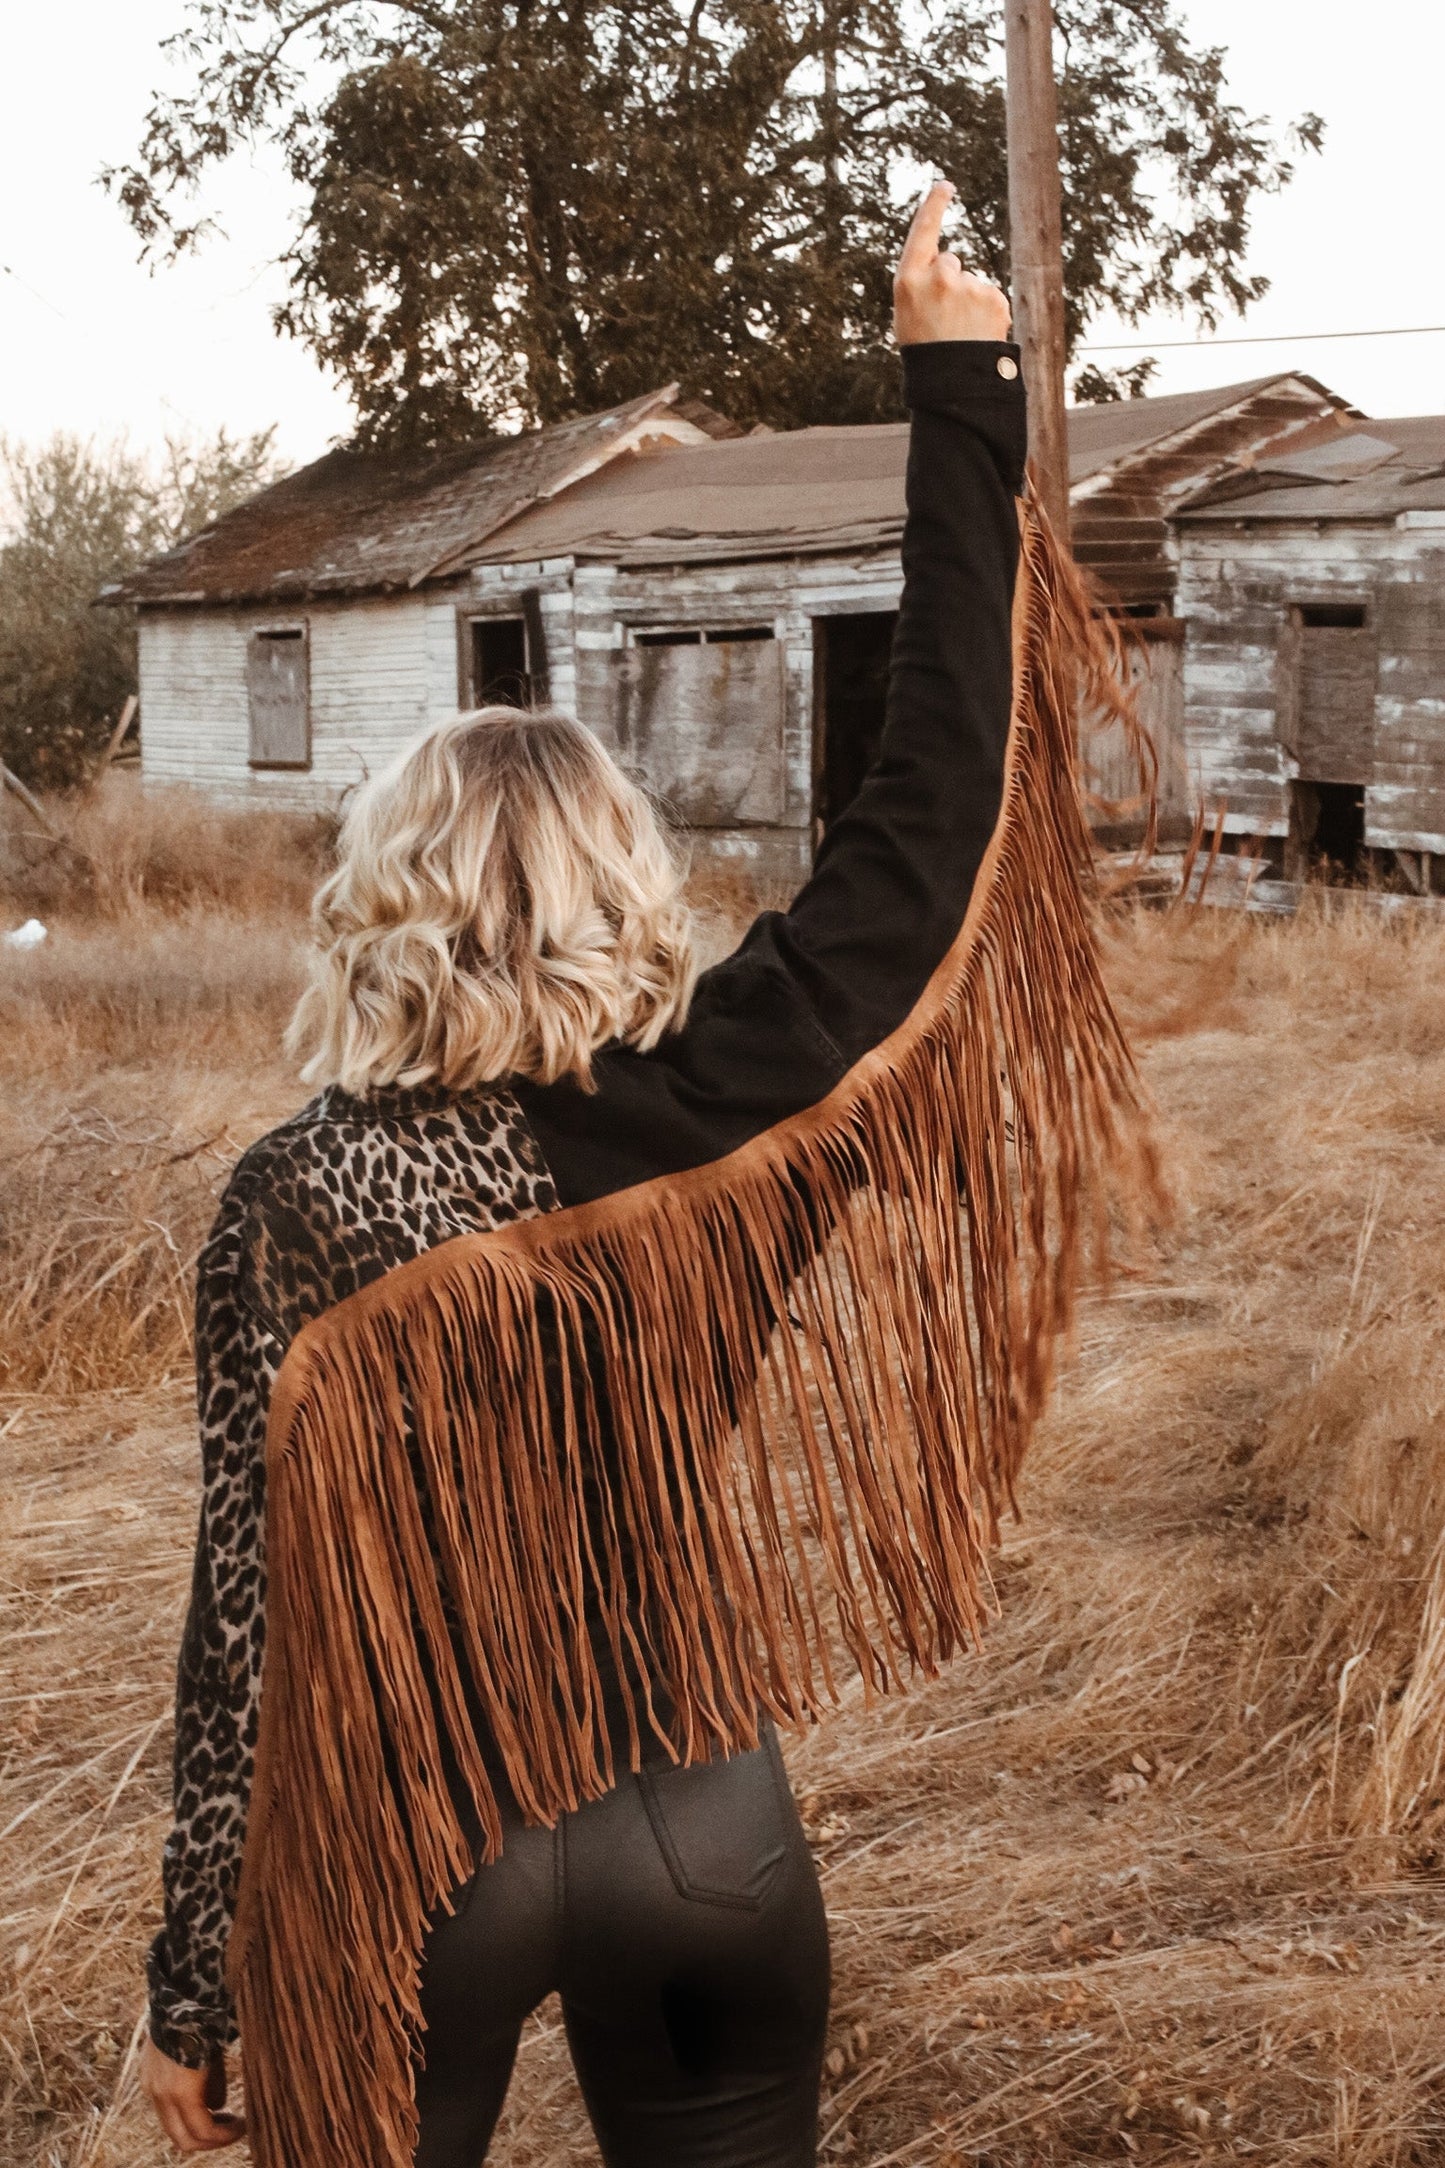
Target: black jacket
774	1026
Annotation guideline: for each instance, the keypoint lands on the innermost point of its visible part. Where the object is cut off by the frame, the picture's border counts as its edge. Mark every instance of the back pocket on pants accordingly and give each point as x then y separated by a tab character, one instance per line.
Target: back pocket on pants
723	1826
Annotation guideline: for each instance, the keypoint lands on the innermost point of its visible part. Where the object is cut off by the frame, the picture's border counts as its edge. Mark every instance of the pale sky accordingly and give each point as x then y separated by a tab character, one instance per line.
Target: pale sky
91	342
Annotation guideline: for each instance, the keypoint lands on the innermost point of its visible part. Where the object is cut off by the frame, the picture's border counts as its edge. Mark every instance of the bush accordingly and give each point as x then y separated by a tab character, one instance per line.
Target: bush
80	517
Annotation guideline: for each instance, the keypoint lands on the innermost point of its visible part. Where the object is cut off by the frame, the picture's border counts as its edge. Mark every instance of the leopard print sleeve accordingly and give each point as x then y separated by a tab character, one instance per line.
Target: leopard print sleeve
338	1195
219	1676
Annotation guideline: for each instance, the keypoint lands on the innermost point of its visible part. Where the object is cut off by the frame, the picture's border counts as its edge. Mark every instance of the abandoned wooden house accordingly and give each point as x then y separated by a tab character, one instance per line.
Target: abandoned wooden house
1132	465
297	643
719	607
1313	589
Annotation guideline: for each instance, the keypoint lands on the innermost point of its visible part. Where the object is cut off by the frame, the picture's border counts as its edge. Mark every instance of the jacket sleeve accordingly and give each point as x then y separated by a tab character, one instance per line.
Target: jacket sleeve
775	1025
219	1676
895	871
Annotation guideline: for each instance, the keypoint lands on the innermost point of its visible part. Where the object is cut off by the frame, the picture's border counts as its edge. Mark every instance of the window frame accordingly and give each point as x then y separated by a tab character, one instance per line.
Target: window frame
522	607
749	631
288	629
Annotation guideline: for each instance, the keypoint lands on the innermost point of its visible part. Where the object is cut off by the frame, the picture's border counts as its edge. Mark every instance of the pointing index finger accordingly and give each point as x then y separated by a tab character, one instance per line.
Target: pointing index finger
921	246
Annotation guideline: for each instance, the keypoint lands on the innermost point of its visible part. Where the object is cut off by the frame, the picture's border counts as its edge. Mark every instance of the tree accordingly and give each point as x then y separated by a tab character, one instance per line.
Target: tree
1094	386
517	210
79	517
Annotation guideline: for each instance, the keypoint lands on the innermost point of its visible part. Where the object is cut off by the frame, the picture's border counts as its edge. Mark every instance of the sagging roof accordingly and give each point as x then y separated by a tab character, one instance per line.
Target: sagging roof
809	491
373	523
658	481
804	492
1375	472
1101	437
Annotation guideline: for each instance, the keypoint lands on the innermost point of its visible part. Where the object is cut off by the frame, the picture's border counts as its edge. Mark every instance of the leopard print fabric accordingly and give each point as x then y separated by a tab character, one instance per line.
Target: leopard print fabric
332	1199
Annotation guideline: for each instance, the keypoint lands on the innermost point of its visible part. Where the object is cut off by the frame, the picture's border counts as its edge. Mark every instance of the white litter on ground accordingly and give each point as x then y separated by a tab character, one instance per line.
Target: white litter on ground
30	935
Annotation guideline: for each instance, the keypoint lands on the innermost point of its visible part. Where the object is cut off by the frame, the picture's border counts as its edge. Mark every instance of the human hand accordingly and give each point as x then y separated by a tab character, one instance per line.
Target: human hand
189	2103
933	296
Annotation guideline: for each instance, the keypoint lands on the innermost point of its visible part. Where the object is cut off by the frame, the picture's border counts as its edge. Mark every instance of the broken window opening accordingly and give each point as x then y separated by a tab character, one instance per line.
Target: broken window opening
697	635
1333	616
501	676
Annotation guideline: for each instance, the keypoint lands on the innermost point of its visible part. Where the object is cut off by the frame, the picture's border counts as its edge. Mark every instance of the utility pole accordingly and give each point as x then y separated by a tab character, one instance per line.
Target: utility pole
1036	242
832	177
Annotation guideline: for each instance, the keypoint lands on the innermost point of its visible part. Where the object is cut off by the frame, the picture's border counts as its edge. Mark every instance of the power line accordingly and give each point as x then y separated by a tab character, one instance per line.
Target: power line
1259	338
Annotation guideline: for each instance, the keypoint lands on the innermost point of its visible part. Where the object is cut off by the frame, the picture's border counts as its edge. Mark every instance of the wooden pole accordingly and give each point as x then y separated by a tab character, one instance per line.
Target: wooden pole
11	782
1036	242
117	738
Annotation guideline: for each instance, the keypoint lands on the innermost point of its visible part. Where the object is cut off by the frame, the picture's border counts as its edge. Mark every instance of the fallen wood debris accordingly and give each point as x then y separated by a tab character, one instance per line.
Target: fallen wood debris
1169	879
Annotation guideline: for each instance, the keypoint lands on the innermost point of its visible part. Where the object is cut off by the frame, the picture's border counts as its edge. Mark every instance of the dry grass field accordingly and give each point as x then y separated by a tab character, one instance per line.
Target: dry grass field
1159	1877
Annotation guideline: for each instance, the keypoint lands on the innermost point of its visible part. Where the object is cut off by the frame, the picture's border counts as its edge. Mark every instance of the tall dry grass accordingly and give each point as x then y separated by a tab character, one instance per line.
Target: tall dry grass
1157	1877
138	1052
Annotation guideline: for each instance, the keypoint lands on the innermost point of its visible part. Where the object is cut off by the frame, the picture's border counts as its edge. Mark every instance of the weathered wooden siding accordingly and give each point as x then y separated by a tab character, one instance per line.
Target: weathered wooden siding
369	676
1121	517
609	601
1239	586
1111	771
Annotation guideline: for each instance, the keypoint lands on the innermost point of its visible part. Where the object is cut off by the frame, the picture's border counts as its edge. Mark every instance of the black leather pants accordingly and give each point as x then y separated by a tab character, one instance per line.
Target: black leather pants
681	1922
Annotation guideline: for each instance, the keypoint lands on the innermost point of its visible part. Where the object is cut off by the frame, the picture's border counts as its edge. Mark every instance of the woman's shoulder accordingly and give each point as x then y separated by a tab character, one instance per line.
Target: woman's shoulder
346	1188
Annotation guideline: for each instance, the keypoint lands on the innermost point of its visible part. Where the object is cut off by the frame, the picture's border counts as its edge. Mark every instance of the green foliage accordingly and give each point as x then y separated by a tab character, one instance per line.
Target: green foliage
78	518
1094	386
518	210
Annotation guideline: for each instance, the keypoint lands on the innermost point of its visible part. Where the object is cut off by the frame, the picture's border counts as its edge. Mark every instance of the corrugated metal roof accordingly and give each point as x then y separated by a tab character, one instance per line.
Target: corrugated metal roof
1368	487
366	522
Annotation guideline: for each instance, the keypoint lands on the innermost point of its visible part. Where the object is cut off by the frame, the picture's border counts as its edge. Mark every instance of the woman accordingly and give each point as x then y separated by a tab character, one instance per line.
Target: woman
504	1022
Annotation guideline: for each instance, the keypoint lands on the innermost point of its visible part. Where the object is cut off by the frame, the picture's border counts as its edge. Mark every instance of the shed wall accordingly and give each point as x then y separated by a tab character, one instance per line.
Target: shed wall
1238	586
588	621
369	680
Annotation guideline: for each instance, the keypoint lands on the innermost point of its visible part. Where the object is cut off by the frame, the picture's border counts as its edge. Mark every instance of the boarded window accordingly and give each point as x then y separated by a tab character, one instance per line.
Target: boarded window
277	682
1330	712
702	721
1154	646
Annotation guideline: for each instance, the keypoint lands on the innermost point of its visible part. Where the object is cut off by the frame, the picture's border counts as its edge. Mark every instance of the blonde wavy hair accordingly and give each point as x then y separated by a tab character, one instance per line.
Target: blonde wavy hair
505	903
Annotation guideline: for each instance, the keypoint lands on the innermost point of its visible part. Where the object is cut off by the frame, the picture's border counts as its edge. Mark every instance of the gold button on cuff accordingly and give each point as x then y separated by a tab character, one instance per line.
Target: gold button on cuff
1007	367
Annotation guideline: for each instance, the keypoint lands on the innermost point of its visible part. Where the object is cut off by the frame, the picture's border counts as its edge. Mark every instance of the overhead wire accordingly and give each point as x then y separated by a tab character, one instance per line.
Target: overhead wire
1255	338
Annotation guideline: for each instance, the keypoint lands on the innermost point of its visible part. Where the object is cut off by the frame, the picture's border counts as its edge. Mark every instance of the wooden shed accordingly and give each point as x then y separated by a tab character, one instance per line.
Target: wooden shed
296	644
718	607
1313	587
1133	463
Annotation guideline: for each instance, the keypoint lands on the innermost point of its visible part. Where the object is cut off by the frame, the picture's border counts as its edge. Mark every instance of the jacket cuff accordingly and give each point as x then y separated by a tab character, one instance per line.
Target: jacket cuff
978	381
185	2031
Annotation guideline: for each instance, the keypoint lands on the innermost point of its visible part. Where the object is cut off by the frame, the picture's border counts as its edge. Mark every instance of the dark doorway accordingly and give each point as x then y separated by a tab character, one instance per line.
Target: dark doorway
850	699
1327	828
500	677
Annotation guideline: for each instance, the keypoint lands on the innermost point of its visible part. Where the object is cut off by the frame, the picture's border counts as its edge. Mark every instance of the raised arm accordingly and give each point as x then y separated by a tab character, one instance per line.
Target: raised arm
895	872
775	1025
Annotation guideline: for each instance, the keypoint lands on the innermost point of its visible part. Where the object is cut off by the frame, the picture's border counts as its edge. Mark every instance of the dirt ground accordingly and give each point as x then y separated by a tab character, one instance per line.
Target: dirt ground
1159	1876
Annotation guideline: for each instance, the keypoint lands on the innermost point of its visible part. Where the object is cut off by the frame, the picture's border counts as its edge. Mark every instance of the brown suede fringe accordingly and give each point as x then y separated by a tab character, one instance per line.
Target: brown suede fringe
740	1430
